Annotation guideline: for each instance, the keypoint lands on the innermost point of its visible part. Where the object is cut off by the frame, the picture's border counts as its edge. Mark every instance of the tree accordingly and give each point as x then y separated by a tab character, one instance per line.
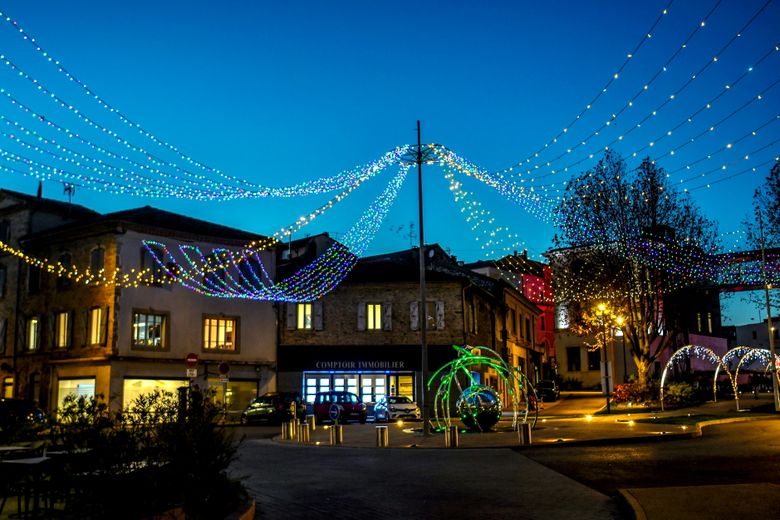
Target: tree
628	240
762	229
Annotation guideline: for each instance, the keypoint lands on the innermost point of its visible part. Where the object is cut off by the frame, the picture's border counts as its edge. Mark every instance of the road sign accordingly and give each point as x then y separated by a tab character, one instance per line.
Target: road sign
192	372
334	412
224	368
191	360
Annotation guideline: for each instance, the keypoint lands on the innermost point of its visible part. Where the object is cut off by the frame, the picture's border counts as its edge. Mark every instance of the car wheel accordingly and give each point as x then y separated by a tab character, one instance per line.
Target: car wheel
362	419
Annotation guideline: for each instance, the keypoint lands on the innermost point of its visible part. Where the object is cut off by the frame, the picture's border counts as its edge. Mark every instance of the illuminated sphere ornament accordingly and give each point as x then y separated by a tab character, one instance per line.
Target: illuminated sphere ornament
479	407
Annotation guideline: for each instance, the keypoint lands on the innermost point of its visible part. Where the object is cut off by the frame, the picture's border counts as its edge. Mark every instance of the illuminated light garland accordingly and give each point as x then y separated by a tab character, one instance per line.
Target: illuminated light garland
684	121
321	186
753	169
647	35
725	166
136	127
685	352
225	273
630	103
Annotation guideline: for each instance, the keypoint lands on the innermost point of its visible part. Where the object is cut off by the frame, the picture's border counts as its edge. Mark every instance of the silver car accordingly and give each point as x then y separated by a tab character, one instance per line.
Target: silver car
393	407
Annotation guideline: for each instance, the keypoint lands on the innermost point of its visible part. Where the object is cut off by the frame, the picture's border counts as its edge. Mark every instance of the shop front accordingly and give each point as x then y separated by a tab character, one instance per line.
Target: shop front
369	371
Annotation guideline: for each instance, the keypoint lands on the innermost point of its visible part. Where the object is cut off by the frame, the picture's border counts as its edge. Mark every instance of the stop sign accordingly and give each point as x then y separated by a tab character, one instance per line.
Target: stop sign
191	360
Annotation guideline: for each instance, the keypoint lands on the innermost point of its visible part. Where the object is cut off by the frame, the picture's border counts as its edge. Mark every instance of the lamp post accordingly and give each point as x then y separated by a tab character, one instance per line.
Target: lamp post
603	314
620	322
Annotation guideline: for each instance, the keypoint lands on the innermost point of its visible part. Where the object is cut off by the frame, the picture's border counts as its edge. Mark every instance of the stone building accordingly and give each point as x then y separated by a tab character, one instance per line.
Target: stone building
364	336
89	337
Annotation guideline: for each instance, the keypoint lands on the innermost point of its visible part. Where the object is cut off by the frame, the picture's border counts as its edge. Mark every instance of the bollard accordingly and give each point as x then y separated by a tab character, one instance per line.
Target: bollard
525	433
311	422
336	434
303	433
451	437
285	431
382	436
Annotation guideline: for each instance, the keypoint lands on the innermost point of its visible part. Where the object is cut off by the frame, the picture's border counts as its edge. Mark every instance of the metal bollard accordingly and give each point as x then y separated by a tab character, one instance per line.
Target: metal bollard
382	436
525	433
285	431
311	422
451	437
336	434
303	433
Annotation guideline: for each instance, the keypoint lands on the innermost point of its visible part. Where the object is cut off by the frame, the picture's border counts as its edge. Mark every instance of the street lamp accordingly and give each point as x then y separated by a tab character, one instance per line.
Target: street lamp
620	322
603	313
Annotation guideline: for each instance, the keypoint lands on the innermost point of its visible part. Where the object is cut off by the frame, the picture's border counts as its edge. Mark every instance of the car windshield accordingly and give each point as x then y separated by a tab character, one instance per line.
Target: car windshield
264	400
399	400
547	384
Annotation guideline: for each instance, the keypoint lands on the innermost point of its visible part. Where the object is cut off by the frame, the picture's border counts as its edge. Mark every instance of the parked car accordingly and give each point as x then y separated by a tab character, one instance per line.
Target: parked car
274	407
548	390
19	418
394	407
339	406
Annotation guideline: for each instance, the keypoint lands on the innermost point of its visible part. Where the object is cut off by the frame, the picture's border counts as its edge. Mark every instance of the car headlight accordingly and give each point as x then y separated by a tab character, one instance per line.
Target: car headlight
392	409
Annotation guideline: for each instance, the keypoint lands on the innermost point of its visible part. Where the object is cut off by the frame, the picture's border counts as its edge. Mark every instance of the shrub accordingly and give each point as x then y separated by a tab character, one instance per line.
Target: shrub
680	394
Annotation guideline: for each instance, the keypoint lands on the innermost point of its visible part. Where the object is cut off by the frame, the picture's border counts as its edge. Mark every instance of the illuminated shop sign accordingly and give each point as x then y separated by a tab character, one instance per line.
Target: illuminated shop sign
360	365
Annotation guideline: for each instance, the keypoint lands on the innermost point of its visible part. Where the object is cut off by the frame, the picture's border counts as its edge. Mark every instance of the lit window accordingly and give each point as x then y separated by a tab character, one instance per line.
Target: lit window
149	330
95	326
219	333
62	330
33	333
304	316
374	316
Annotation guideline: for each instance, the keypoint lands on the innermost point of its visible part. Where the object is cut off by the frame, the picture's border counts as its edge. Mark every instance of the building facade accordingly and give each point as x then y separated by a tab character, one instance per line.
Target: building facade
364	336
84	337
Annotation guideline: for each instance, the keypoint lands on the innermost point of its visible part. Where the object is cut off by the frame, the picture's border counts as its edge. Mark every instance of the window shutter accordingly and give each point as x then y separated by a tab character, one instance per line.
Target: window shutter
291	308
53	331
439	315
387	316
104	325
69	340
317	310
414	315
361	316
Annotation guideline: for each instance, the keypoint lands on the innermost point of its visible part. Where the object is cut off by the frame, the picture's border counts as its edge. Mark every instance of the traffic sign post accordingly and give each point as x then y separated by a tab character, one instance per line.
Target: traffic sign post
192	365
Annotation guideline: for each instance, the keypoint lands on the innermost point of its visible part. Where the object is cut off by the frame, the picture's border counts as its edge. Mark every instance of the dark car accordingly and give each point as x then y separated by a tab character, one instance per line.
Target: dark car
274	407
19	418
338	406
548	390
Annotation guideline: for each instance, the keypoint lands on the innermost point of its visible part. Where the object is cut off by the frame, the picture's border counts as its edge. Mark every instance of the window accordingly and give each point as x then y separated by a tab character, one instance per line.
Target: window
698	322
62	328
66	261
434	312
33	333
149	330
709	322
33	279
304	313
5	230
215	269
2	280
528	336
573	362
220	334
374	316
594	360
8	387
513	322
96	326
472	310
76	387
754	334
97	259
152	258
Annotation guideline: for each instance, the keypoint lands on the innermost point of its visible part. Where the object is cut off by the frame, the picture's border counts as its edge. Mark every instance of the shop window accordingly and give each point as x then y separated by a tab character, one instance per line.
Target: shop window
594	360
97	259
8	387
573	362
220	334
62	329
76	387
135	388
33	329
150	330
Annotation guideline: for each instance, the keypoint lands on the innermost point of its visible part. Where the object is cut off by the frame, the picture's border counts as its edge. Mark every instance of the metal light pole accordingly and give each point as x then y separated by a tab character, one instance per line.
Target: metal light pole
603	311
620	321
423	310
767	286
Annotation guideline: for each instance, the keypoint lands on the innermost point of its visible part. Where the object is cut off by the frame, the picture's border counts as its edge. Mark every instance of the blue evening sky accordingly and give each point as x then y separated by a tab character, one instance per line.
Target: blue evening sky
284	92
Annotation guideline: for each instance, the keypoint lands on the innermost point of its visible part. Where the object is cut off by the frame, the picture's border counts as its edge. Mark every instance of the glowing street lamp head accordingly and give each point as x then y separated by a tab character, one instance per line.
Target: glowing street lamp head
619	320
602	307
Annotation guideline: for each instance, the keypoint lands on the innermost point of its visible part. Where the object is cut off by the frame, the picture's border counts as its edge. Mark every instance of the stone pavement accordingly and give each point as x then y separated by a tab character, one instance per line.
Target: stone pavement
560	427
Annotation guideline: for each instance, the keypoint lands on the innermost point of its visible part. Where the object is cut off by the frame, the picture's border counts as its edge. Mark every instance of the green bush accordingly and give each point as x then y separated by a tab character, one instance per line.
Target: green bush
680	394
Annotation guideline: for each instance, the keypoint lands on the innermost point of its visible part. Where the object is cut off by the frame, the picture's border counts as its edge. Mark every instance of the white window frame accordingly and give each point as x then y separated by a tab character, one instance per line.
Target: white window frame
304	316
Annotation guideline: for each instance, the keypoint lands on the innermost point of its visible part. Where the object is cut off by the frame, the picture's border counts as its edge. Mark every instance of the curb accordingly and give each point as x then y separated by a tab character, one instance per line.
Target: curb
633	503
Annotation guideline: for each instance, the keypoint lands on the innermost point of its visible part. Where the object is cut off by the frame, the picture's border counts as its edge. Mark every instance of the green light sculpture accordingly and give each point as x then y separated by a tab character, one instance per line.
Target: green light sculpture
479	406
